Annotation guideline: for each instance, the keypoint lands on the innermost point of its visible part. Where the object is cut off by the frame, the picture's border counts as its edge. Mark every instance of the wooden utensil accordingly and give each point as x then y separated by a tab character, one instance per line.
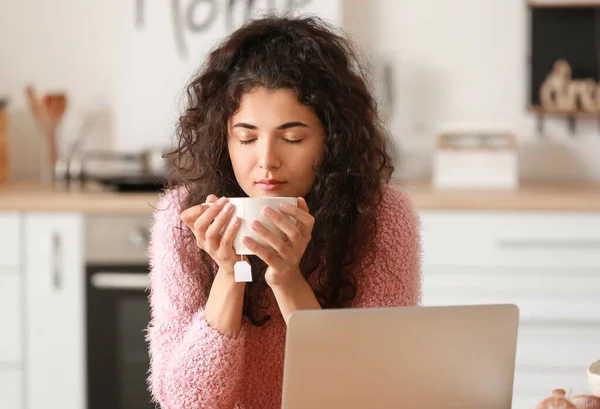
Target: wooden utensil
3	142
48	112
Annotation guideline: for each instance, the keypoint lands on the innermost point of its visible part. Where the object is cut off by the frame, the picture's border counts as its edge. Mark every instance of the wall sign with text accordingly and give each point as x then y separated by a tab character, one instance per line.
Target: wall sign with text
198	16
161	46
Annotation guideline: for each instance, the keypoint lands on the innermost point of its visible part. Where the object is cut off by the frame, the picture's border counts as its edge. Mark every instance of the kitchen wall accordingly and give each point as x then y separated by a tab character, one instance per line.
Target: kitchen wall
65	45
464	63
459	63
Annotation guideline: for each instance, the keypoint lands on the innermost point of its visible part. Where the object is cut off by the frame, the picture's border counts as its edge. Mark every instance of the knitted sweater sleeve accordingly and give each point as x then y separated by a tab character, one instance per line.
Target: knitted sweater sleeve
391	276
191	364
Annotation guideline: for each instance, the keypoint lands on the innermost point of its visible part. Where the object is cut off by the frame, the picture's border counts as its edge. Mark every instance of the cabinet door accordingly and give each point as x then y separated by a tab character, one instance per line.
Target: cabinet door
10	239
54	271
11	317
11	390
527	239
547	264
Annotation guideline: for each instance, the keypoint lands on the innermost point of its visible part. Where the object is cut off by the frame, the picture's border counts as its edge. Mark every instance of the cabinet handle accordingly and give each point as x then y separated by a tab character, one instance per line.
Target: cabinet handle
120	281
55	270
556	244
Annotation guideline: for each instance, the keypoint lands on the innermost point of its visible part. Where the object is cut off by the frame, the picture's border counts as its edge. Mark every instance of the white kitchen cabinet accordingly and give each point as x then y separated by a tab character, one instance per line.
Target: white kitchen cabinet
11	312
10	239
479	238
54	303
542	293
11	389
11	318
546	263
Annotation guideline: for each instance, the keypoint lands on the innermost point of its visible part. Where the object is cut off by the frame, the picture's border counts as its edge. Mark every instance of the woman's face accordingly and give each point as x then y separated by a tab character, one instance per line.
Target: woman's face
275	143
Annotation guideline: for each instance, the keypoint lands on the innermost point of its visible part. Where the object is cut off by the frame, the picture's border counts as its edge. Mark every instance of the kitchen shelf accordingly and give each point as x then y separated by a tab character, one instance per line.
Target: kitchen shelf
570	116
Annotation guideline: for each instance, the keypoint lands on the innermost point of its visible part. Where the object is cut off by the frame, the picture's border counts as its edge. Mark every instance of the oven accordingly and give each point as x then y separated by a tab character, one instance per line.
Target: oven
117	312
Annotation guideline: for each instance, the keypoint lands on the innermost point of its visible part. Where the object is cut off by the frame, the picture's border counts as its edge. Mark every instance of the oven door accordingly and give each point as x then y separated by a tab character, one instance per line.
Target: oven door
117	356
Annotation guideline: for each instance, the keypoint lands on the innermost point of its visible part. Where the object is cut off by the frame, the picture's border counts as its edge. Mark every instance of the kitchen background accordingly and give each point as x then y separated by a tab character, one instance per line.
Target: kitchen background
517	223
453	63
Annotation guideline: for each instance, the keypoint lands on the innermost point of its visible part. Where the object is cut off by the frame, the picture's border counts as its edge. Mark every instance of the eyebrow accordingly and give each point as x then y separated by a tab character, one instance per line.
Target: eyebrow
281	127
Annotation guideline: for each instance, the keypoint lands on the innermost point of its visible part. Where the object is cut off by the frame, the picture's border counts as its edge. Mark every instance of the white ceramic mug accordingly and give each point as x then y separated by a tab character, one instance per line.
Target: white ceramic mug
593	373
249	209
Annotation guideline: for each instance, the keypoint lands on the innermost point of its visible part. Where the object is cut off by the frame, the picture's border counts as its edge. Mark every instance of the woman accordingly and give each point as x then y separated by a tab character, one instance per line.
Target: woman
281	108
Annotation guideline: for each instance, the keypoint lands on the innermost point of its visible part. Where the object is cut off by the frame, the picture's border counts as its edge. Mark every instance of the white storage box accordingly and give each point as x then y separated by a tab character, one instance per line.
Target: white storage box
476	160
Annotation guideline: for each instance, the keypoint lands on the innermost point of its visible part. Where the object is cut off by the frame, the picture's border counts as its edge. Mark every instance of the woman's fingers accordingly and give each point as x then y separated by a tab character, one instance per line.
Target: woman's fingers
288	228
270	257
204	221
230	232
304	220
190	215
213	233
270	238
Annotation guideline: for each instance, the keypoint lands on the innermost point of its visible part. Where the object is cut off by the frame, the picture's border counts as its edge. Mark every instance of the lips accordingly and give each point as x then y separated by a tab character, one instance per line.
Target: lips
270	181
270	184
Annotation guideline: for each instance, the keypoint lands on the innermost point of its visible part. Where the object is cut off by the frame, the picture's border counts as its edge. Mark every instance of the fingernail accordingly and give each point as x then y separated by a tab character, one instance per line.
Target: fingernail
222	200
268	211
256	225
235	221
247	241
285	206
228	207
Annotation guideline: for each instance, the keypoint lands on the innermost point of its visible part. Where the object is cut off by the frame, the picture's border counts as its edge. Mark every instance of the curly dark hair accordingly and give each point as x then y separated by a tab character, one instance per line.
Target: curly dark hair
309	56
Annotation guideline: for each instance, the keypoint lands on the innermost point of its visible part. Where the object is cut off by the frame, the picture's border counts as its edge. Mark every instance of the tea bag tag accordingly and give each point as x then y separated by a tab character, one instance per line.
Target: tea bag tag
242	271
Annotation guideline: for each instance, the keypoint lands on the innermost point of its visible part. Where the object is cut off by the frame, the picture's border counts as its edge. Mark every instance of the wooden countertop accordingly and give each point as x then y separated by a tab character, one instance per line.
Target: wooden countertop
31	196
539	196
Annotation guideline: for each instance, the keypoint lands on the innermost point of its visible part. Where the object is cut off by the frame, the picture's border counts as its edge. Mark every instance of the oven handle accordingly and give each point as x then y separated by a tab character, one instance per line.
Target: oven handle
120	281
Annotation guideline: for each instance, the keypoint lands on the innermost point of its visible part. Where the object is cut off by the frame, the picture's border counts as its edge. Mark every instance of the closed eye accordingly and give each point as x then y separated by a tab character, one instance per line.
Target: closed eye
290	141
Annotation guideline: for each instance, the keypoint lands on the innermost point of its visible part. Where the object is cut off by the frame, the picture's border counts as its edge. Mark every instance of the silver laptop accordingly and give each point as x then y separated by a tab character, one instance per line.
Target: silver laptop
446	357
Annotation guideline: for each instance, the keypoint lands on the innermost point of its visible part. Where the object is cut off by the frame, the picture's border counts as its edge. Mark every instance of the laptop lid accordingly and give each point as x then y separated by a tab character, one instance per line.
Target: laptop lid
401	357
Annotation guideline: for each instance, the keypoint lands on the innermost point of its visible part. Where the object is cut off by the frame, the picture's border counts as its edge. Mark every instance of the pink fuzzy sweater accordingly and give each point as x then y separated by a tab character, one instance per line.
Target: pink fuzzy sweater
194	366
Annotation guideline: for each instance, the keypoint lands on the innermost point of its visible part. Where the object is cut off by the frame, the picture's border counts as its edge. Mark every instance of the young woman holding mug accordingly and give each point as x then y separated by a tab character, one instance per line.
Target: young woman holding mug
280	108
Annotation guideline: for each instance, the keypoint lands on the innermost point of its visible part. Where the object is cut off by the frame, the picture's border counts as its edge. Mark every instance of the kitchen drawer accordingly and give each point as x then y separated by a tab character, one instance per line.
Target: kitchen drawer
129	239
500	238
530	310
11	317
533	384
11	389
544	282
539	292
562	345
10	239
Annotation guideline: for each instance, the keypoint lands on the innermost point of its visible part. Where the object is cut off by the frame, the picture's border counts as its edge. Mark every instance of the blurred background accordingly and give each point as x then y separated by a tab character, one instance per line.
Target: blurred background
492	106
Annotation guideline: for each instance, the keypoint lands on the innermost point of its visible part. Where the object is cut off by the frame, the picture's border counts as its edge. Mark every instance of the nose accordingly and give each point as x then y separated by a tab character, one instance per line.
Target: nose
269	157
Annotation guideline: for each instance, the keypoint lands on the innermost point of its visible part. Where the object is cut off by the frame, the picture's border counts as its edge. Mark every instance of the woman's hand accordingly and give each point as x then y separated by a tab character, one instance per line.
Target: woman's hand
283	261
207	222
224	306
